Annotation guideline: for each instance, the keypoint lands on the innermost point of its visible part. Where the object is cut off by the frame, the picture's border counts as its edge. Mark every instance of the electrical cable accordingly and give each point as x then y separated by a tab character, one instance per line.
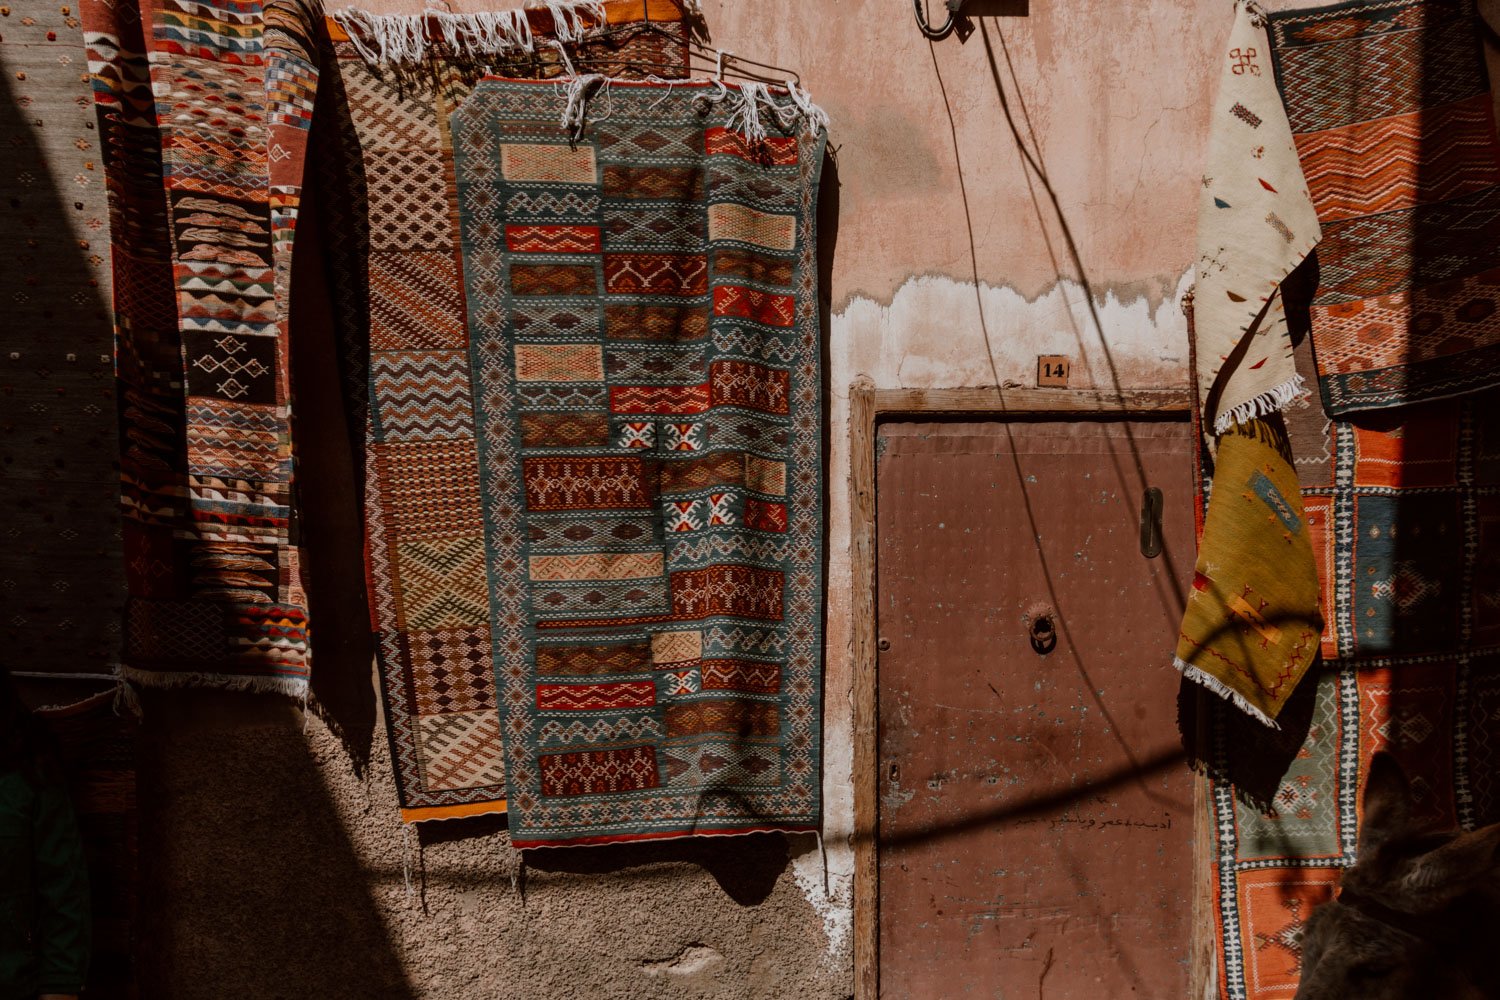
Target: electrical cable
935	34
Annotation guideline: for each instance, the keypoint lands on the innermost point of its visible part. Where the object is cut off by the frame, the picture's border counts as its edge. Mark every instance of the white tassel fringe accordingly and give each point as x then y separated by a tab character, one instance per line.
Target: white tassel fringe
813	117
405	39
1218	687
580	90
290	686
1269	401
744	115
406	858
409	39
126	698
753	100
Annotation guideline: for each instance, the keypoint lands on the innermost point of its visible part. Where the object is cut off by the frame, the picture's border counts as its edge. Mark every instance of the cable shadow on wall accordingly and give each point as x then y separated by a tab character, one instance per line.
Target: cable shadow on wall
1132	479
1412	533
1130	468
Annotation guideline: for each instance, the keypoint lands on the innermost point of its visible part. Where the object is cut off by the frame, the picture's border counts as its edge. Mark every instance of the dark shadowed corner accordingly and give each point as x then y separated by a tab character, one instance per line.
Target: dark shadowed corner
328	431
59	479
254	881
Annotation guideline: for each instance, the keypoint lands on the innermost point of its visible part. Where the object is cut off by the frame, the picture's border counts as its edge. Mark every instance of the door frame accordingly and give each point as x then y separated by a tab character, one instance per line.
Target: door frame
867	407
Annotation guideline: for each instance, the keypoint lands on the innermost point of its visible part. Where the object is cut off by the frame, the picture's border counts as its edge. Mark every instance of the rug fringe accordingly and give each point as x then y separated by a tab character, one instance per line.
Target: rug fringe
126	698
750	101
123	693
580	90
1273	399
1198	676
408	39
750	105
292	687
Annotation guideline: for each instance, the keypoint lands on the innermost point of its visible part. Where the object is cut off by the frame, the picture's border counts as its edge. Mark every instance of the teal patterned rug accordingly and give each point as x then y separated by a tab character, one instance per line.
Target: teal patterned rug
645	355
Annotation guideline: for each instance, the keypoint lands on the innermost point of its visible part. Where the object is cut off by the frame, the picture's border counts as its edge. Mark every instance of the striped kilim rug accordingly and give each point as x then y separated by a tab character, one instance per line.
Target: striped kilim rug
387	200
1404	512
1391	109
646	379
204	107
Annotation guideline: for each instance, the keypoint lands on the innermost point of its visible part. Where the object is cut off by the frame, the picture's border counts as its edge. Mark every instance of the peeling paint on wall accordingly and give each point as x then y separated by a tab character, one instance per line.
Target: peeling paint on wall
940	333
834	904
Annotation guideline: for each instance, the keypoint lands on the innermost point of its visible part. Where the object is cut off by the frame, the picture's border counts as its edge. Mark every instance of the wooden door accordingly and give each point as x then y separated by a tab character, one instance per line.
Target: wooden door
1035	821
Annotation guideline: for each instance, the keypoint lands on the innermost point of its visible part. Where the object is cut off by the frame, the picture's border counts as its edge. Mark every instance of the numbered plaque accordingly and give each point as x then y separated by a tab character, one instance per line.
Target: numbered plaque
1052	370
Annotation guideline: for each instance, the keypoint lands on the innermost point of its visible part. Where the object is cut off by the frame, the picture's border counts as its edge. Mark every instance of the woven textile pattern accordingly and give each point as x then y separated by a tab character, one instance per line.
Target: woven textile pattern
1252	625
388	201
1404	513
1255	224
1391	107
61	570
651	461
1249	632
148	368
205	108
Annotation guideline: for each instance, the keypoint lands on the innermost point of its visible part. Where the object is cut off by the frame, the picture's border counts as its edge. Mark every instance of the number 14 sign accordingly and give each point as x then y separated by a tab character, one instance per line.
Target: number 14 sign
1052	370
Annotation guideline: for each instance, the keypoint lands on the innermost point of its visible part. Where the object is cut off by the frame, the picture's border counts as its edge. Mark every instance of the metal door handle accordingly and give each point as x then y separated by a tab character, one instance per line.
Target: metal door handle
1151	502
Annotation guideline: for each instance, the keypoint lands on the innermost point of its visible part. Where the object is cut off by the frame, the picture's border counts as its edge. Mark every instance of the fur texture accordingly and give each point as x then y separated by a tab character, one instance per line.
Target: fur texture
1417	917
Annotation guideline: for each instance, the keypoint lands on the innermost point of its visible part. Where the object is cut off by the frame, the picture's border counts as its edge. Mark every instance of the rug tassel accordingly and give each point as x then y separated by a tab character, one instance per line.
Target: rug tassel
1273	399
1198	676
405	39
567	18
562	51
128	698
489	31
751	100
406	858
518	880
745	118
579	90
290	687
813	117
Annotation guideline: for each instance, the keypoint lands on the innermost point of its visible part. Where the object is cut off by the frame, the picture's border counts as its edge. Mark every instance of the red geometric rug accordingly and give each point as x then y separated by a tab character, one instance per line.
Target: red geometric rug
203	109
1392	113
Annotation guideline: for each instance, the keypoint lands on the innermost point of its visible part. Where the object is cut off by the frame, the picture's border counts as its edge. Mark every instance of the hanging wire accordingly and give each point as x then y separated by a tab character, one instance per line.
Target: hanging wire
936	34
